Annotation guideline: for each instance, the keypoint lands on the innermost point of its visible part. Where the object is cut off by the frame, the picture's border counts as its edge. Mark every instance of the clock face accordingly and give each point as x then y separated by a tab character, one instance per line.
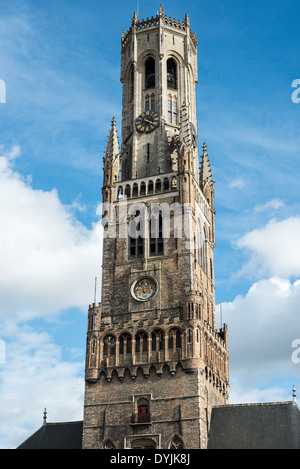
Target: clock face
147	121
144	289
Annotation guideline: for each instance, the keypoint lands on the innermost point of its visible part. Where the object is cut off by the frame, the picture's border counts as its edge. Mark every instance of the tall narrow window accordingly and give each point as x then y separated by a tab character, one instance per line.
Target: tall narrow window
172	110
109	346
150	73
158	340
136	243
156	236
171	74
143	414
125	344
136	247
143	411
131	83
150	102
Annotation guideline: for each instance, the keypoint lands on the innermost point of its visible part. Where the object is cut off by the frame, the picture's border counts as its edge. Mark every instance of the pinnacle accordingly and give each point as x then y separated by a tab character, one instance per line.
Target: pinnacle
184	132
205	168
112	147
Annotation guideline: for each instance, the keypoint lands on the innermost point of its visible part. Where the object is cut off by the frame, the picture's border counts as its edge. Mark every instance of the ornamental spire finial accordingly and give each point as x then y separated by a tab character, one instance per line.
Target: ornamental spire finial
294	394
187	20
45	417
112	148
134	18
205	169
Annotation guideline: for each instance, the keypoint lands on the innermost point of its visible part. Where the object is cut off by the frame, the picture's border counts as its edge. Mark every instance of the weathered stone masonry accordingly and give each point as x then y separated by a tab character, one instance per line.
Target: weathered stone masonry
156	364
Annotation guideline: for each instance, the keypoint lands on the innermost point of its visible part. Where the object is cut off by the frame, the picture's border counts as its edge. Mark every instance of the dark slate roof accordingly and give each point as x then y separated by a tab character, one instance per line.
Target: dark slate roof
255	426
66	435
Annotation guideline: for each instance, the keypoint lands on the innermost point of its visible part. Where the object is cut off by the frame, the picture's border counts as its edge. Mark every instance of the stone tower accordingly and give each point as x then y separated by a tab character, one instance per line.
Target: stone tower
155	362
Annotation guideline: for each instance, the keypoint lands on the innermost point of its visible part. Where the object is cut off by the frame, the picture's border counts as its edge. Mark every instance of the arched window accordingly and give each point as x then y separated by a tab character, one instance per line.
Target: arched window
172	110
150	187
135	190
141	342
108	444
176	443
174	339
120	192
156	235
166	184
150	102
171	74
158	340
150	73
136	243
109	348
125	344
127	190
143	188
158	186
143	411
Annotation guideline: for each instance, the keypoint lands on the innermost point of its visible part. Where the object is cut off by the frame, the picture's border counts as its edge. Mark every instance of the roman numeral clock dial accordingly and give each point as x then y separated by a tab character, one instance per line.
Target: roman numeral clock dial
147	122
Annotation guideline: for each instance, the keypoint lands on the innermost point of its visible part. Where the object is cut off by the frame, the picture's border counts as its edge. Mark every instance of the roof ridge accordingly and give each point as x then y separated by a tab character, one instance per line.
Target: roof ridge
253	404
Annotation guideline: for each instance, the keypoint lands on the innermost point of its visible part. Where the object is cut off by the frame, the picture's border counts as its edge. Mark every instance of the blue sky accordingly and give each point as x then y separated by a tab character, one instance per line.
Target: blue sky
61	65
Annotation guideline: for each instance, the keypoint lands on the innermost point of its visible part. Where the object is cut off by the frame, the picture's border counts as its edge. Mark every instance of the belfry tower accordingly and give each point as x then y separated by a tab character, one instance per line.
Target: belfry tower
155	363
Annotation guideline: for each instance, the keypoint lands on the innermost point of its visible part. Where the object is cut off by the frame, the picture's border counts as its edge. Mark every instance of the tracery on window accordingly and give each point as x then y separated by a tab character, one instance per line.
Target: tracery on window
150	102
172	110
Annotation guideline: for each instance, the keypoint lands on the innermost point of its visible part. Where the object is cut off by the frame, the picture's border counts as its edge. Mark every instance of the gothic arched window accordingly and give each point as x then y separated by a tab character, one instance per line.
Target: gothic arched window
150	73
172	110
174	339
176	443
158	340
143	411
108	444
171	74
156	235
141	342
109	346
125	344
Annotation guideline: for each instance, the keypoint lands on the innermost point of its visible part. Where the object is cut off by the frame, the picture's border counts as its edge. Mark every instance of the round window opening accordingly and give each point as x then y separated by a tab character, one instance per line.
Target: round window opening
144	289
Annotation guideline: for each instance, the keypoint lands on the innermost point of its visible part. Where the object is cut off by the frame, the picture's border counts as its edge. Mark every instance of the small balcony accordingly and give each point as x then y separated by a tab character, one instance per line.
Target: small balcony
141	419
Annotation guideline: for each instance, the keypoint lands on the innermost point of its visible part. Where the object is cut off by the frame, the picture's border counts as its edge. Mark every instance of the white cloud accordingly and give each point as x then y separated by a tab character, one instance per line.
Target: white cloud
48	264
237	183
48	259
264	323
262	326
35	377
274	204
275	249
